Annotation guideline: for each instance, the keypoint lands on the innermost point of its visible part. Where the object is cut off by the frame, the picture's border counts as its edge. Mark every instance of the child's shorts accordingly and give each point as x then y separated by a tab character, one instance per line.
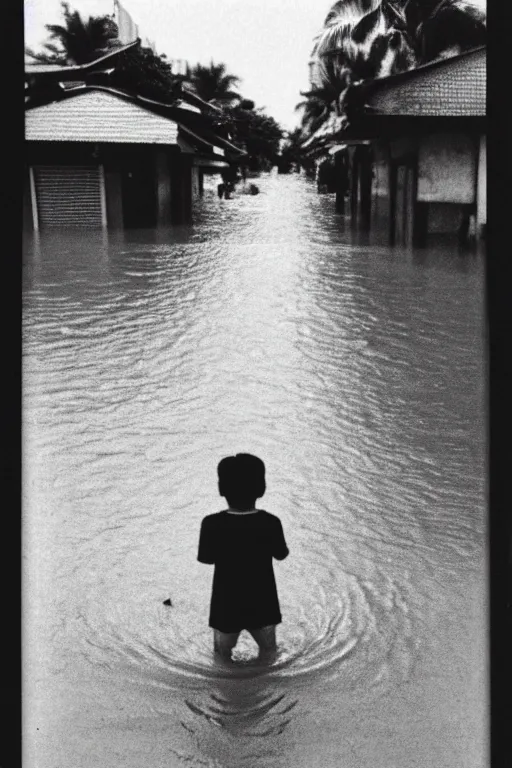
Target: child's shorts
264	636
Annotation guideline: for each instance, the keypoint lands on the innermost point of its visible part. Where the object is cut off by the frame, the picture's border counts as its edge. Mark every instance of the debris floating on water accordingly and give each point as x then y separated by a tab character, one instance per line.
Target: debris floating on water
168	602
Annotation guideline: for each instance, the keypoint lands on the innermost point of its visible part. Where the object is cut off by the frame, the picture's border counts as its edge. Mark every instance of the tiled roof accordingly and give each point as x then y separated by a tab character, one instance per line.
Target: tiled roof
36	68
454	87
197	123
98	116
193	98
332	126
42	69
200	142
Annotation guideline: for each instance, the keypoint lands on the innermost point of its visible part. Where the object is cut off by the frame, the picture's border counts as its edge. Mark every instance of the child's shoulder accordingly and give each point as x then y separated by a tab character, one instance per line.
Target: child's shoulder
213	516
269	516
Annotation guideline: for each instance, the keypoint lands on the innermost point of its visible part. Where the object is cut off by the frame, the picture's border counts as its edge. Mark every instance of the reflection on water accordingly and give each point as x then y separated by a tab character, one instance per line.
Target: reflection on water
357	373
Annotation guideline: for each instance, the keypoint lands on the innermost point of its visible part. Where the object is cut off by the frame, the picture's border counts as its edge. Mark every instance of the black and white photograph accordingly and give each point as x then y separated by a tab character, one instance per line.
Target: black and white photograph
255	525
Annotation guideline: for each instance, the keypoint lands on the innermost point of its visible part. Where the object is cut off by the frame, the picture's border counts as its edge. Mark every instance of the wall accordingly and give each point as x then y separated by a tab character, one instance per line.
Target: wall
163	182
181	187
404	146
195	182
28	219
481	195
447	169
114	195
380	185
443	218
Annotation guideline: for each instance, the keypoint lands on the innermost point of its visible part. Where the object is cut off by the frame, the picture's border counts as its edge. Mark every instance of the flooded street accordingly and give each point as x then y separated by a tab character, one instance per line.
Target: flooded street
357	373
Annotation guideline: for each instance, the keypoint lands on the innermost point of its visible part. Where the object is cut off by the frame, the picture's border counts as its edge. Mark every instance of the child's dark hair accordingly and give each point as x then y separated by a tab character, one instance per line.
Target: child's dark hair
241	479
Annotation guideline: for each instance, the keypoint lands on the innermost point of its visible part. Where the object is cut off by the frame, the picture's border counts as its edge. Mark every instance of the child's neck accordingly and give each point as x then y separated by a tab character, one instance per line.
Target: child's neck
237	511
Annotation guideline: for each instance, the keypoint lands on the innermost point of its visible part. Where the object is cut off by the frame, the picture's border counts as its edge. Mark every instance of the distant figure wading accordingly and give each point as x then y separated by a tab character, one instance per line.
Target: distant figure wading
224	189
241	542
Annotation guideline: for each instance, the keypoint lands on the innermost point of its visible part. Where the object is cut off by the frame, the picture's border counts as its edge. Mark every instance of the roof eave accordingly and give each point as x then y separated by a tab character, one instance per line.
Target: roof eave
373	127
183	117
382	82
79	69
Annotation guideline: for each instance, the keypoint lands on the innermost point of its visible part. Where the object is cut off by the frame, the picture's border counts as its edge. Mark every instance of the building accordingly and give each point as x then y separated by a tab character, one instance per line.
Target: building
417	150
100	157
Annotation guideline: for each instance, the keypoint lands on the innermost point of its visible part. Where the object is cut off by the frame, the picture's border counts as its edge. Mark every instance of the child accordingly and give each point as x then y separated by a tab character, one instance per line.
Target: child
241	542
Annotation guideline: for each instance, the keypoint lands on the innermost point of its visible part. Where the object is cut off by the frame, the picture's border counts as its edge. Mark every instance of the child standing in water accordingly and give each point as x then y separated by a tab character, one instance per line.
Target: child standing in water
241	542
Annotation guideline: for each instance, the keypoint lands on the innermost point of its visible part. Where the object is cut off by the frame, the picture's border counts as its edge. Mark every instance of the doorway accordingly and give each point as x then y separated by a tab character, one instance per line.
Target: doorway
139	195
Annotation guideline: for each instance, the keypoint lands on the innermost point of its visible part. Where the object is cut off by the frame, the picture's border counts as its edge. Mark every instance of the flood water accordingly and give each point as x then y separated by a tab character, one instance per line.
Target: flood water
357	373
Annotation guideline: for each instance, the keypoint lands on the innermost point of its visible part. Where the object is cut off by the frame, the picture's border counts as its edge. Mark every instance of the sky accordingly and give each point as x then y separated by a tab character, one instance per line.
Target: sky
267	44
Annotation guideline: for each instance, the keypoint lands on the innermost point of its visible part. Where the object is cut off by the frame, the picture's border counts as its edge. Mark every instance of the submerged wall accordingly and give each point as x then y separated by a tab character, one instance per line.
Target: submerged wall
447	168
380	186
114	197
481	194
163	183
196	190
451	179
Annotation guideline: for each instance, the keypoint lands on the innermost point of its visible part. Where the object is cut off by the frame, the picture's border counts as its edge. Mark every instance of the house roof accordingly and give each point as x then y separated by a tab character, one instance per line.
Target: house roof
215	140
193	98
441	91
76	69
193	121
332	126
99	115
450	87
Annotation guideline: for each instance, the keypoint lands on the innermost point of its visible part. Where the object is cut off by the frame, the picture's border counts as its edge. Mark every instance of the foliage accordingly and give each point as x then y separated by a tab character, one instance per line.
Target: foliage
257	133
239	120
138	70
291	153
365	39
449	26
318	104
77	41
141	71
213	84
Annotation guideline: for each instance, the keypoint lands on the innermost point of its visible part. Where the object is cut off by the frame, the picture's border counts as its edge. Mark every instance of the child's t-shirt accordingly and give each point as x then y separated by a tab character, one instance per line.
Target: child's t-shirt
241	546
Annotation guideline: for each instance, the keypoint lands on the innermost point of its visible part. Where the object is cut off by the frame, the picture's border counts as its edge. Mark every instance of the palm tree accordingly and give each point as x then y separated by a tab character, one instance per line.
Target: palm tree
440	28
362	39
386	36
318	105
77	41
214	84
138	70
365	39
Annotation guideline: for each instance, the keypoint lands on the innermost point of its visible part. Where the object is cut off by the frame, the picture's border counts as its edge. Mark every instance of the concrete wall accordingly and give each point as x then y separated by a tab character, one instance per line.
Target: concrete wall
163	188
195	182
481	193
380	186
451	176
28	218
447	169
403	146
114	195
443	218
181	187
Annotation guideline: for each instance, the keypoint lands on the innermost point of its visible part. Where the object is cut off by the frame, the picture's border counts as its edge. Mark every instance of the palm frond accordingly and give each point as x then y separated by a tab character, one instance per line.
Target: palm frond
350	11
213	83
364	39
451	25
368	26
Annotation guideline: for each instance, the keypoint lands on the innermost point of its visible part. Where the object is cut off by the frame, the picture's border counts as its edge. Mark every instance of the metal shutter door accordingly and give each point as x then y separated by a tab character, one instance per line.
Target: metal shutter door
69	196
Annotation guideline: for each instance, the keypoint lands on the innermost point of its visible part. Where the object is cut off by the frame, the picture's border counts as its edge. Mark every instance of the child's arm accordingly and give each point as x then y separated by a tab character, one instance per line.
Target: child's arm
279	548
206	552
